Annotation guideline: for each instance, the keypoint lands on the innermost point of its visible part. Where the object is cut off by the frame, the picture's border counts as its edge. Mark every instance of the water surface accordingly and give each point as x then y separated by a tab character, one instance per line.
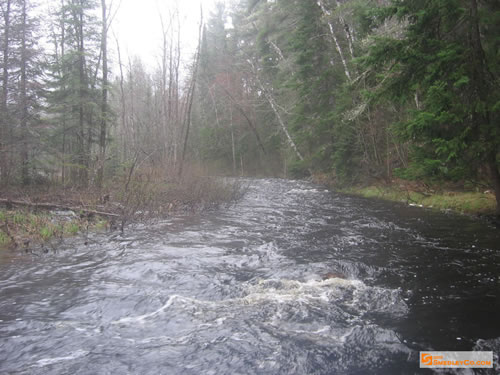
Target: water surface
243	291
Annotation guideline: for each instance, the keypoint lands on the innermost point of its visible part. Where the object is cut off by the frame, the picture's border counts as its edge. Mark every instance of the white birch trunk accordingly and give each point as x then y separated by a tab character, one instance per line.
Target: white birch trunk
348	34
274	107
327	14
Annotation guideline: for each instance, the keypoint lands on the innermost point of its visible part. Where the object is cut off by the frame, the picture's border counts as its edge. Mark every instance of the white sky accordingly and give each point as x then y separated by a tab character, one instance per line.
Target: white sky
137	27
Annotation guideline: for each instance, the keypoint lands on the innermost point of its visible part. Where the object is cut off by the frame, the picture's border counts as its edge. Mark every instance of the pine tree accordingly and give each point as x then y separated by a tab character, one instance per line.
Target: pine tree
7	17
20	90
74	87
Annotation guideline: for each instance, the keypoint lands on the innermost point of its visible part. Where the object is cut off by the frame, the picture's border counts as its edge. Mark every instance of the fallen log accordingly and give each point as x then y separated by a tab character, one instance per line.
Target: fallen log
52	206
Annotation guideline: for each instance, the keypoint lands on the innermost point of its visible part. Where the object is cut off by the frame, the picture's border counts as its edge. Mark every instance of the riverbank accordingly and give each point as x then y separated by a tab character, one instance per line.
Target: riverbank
412	193
37	216
24	229
384	282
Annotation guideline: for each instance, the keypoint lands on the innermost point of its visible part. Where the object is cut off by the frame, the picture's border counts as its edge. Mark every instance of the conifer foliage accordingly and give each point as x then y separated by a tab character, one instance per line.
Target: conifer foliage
370	89
359	89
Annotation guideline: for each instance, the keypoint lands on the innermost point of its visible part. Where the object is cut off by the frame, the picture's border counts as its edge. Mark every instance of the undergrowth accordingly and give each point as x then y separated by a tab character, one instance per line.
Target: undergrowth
21	228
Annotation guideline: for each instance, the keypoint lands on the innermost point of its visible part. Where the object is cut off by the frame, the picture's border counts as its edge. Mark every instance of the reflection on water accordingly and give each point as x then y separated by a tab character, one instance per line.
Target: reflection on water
291	280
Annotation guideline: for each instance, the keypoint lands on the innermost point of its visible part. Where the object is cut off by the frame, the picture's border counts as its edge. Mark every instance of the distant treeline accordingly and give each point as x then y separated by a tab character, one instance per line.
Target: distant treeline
359	89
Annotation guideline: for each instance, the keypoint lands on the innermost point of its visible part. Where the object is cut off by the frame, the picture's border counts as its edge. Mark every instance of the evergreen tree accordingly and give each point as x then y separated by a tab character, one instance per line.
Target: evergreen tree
20	90
74	93
444	62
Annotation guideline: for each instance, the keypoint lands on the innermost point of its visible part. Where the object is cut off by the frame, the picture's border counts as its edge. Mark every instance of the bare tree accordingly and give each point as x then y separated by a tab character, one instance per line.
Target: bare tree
104	97
190	95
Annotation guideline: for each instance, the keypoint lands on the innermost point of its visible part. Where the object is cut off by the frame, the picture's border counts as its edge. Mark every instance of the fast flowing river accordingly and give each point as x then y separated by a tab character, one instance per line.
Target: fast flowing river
293	279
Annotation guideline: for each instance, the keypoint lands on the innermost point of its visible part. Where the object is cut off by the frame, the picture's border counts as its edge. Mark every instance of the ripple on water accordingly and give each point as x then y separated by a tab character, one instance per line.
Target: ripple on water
275	316
241	291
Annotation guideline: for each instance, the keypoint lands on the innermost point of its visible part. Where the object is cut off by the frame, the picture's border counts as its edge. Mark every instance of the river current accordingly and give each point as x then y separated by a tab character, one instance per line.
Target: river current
293	279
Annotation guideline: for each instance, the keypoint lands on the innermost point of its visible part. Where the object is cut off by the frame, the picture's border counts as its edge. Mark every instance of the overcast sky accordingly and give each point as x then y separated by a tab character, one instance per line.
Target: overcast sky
137	26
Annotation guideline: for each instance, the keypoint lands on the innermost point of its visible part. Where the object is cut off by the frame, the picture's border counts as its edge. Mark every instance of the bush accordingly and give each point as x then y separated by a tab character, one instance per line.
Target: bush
299	169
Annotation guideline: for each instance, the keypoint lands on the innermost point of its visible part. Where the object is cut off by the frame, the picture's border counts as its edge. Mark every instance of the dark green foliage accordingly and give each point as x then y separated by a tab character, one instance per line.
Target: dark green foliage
361	89
437	62
72	90
444	60
20	78
298	169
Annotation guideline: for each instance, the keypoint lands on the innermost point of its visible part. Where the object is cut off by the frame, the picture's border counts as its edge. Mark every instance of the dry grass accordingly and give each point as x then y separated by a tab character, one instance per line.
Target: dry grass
147	193
137	194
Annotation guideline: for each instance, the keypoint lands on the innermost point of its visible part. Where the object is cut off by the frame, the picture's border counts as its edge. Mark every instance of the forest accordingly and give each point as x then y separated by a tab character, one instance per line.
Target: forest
356	90
276	187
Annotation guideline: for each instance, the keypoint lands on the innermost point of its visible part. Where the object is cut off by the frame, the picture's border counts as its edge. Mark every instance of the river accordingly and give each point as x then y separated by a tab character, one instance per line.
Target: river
293	279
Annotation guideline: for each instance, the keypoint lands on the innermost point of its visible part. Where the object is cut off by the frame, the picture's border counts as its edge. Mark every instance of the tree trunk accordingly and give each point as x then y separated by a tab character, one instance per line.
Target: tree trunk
190	95
495	179
104	99
347	30
82	155
274	107
122	103
5	85
233	149
327	14
292	144
176	115
251	125
62	74
481	86
165	99
24	100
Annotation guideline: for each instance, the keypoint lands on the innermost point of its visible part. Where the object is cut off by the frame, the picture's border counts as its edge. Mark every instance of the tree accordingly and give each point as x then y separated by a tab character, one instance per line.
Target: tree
442	61
73	94
20	72
6	9
23	93
189	98
104	94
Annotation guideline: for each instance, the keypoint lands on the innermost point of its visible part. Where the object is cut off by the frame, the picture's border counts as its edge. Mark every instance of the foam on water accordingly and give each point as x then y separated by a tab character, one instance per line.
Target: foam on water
354	295
50	361
241	291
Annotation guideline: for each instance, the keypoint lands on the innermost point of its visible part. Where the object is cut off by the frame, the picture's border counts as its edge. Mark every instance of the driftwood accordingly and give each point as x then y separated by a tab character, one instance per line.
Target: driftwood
52	206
